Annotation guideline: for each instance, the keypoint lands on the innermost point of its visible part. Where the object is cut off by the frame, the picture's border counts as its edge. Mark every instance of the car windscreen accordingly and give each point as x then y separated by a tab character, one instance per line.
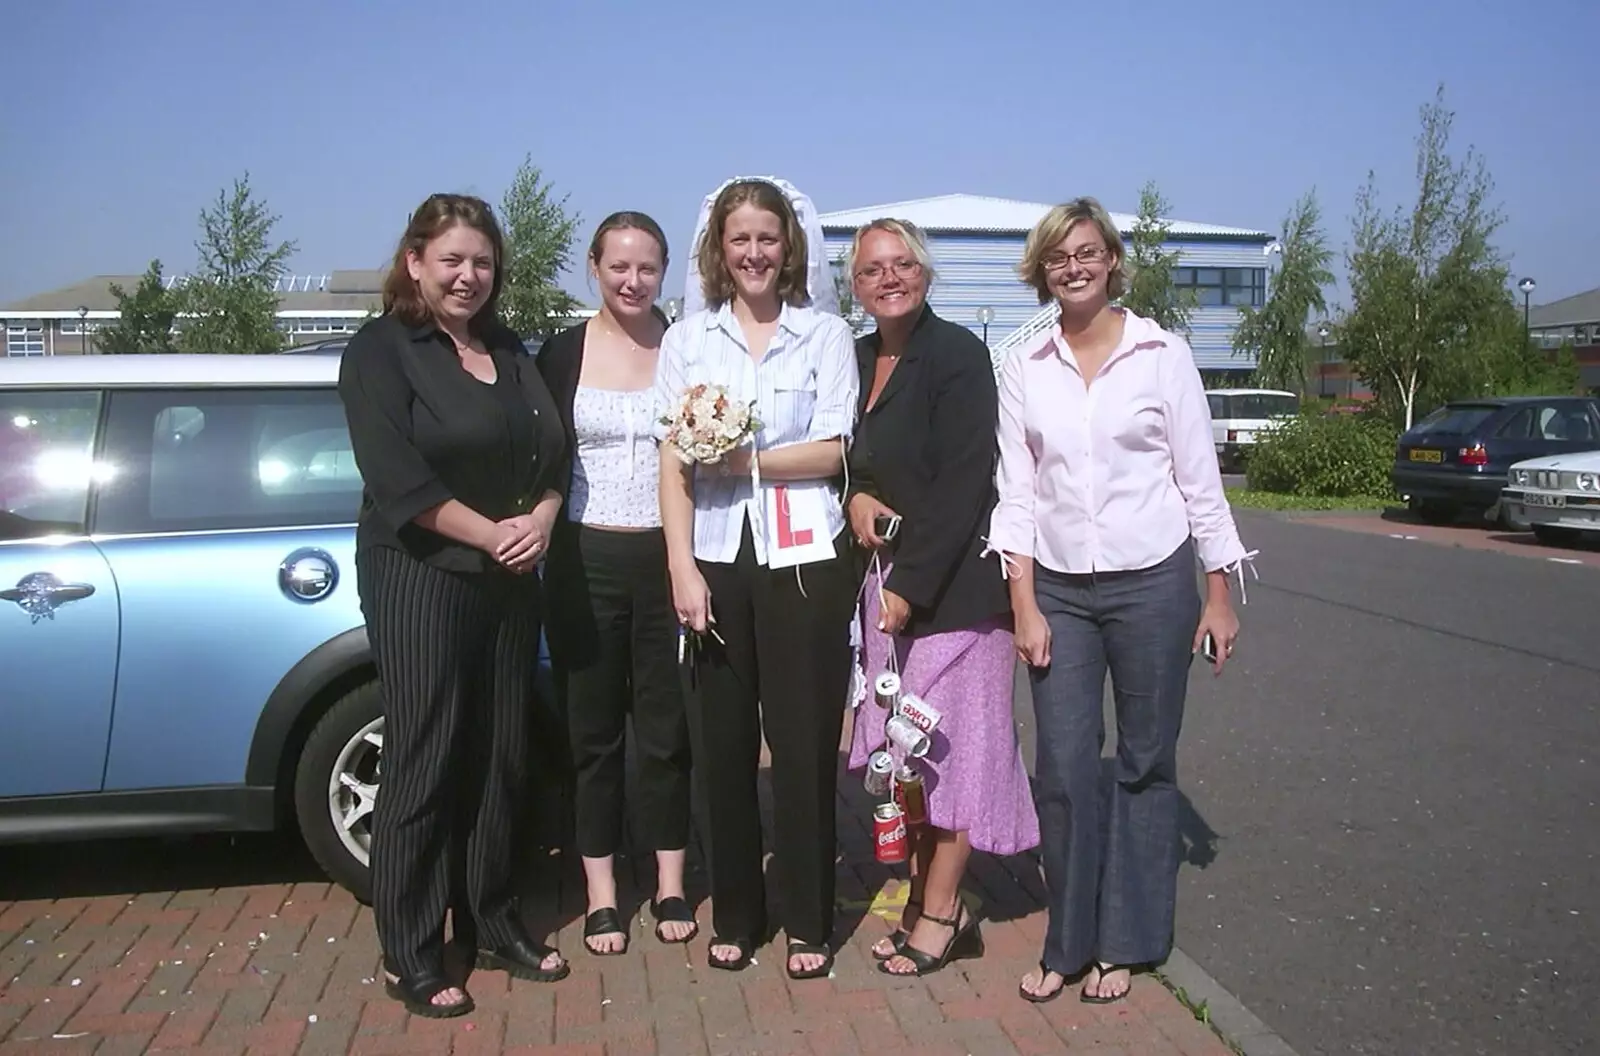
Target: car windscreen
1456	418
1257	405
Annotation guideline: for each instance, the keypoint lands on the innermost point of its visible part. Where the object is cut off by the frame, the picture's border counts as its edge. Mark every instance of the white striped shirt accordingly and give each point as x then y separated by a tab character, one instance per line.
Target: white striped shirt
804	389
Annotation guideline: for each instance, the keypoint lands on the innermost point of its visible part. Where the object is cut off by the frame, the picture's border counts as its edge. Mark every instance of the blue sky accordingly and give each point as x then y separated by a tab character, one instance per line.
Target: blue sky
123	120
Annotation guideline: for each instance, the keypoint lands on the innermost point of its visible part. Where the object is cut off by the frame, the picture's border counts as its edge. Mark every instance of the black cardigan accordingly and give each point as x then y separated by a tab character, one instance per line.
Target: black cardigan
927	450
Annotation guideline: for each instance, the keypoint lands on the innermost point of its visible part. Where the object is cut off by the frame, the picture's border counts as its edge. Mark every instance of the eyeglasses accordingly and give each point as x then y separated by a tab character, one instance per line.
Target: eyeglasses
904	270
1086	255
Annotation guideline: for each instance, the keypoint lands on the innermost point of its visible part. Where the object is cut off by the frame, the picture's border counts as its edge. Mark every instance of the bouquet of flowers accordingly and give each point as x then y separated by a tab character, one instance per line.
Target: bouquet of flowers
708	423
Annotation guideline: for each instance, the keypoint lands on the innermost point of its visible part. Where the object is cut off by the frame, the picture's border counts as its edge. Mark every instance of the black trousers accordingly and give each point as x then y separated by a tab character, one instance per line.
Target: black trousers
613	644
786	666
456	655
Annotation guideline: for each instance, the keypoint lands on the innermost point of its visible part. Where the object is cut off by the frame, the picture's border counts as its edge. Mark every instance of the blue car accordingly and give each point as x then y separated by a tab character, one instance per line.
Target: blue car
1455	460
182	643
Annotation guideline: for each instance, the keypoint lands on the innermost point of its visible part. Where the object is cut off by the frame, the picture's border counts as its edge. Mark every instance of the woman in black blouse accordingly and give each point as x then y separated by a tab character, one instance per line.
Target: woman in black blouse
464	462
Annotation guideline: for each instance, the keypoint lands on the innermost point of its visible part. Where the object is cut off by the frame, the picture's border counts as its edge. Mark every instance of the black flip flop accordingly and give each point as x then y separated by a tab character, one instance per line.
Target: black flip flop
604	921
734	964
1102	973
821	971
1040	999
675	910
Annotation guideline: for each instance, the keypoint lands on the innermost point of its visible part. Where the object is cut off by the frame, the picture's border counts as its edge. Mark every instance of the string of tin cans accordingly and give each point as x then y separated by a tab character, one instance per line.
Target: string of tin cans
907	731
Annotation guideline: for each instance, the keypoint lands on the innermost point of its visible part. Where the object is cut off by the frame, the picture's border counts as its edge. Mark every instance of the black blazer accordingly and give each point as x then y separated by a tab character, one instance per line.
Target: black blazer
927	450
560	362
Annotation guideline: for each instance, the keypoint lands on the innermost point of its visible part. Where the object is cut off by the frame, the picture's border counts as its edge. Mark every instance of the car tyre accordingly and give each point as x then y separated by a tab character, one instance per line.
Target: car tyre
336	782
1554	535
1432	511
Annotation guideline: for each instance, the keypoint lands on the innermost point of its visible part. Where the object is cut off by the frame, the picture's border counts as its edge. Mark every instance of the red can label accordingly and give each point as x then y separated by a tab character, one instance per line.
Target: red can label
889	834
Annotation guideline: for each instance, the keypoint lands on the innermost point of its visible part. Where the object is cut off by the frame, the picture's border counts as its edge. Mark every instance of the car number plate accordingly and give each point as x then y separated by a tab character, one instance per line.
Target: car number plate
1426	454
1534	499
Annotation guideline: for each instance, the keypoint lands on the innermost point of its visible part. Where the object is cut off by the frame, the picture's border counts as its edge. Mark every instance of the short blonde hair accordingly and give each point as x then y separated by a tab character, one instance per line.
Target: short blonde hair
1055	226
904	230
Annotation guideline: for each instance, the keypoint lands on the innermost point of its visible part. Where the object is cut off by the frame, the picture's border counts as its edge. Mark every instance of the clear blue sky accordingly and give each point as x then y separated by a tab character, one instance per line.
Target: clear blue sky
122	120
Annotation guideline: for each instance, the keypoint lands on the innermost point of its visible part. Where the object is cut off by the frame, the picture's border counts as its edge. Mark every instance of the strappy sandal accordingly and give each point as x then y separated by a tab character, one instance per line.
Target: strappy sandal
733	964
898	936
1038	998
673	910
418	992
1101	971
604	921
800	949
965	941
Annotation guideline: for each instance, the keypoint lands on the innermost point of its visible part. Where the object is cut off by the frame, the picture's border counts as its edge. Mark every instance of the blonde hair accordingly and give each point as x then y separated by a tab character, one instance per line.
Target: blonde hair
1054	227
904	230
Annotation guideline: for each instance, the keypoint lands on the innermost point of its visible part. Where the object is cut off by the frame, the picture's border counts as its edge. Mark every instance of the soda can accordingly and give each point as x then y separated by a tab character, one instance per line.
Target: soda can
924	715
904	734
912	796
879	766
889	834
887	688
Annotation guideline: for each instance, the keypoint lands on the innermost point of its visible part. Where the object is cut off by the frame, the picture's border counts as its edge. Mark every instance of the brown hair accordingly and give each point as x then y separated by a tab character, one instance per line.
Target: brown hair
715	282
438	214
1055	225
626	220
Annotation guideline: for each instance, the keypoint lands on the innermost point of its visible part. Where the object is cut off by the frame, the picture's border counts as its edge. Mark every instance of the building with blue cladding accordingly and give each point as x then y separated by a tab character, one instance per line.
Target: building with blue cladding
976	243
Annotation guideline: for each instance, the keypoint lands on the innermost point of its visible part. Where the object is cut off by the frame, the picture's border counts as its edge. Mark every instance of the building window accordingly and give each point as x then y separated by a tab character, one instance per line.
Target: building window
319	326
25	338
1223	287
74	326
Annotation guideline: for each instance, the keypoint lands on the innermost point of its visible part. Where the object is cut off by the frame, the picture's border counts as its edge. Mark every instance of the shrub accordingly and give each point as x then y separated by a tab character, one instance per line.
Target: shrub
1326	455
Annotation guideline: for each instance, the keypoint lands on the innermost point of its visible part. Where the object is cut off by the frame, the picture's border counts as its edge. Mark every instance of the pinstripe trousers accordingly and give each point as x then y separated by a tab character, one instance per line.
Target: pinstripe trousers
456	656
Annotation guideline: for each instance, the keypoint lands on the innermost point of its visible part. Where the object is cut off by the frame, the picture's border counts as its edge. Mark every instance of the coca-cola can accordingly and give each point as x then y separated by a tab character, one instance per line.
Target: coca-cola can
911	794
887	688
920	712
879	766
904	734
889	834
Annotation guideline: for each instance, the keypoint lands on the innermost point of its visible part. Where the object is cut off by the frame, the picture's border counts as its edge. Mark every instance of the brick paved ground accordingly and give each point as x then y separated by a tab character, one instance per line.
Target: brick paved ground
198	953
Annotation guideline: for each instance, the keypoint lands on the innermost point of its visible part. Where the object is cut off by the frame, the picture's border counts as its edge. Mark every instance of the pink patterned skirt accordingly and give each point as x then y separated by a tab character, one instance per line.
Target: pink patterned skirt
973	771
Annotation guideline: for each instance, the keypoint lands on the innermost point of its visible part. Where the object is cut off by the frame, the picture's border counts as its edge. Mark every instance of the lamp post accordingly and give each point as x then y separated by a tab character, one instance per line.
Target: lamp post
985	317
83	329
1526	286
674	306
1322	332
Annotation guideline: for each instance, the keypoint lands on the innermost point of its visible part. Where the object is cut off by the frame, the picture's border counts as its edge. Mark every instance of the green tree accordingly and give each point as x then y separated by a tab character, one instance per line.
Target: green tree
230	303
146	317
845	290
539	236
1151	292
1275	333
1432	316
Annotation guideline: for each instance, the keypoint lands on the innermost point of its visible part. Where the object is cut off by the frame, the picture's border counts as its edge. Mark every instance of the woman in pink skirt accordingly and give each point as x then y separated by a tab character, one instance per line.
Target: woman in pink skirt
921	482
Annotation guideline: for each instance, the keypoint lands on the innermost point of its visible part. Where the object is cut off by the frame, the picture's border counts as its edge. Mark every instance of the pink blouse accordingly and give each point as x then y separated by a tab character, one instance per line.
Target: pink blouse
1115	475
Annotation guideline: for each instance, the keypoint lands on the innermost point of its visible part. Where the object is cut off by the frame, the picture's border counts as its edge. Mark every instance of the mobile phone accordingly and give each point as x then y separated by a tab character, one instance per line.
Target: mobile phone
886	526
1208	649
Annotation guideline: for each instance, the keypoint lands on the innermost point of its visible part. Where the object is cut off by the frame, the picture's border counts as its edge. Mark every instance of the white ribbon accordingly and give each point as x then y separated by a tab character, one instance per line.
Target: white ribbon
819	278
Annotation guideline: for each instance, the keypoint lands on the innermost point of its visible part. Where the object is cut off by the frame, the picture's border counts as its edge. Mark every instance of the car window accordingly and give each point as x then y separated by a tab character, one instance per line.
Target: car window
1457	418
1219	405
1564	421
46	461
1518	427
214	459
1262	405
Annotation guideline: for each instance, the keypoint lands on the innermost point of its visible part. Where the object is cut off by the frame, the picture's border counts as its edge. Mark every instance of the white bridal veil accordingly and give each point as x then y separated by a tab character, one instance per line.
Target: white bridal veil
819	277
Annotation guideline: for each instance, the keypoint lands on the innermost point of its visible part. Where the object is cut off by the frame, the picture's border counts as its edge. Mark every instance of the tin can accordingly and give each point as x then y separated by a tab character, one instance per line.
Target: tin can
912	796
924	715
879	766
887	688
889	834
904	734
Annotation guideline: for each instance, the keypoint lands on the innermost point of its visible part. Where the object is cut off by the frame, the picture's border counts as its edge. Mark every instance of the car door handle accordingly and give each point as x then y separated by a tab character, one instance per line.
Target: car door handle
39	594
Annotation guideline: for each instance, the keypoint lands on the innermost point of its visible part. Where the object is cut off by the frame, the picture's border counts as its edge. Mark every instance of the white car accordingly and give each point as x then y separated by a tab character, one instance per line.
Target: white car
1558	496
1239	417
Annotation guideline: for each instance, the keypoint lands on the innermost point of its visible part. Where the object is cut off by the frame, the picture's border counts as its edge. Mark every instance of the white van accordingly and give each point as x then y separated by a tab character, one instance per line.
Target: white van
1240	416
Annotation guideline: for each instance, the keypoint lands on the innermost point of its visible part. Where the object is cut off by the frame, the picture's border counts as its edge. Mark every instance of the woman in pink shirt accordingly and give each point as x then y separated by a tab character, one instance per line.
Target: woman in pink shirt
1109	492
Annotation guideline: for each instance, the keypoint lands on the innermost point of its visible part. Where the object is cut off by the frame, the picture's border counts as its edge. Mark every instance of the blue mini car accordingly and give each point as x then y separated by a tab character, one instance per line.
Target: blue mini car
182	645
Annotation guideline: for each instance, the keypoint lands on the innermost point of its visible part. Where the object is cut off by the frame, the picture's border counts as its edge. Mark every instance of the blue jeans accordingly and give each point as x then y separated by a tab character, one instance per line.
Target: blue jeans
1111	856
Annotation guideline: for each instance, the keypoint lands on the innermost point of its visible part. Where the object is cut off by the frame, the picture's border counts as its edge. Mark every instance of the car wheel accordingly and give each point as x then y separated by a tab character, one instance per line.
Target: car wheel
1435	512
1553	535
336	786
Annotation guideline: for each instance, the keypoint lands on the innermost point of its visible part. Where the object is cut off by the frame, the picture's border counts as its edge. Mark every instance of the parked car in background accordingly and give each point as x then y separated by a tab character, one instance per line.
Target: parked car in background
1456	459
1557	496
1239	417
182	645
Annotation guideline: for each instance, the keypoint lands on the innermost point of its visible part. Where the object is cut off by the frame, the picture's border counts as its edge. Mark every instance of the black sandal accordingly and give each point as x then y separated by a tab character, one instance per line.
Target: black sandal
898	936
1037	998
1101	971
735	964
673	910
965	941
797	949
417	995
604	921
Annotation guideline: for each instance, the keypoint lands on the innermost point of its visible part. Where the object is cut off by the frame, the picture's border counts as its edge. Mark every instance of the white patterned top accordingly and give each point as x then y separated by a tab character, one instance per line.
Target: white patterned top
614	470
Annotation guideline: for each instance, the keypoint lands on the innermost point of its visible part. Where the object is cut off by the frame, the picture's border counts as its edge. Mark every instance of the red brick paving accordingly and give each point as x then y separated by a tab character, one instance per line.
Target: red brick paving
292	970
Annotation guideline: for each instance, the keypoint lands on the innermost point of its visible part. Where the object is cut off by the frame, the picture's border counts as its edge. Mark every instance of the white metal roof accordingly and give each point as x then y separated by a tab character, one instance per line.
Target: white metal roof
977	212
157	371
